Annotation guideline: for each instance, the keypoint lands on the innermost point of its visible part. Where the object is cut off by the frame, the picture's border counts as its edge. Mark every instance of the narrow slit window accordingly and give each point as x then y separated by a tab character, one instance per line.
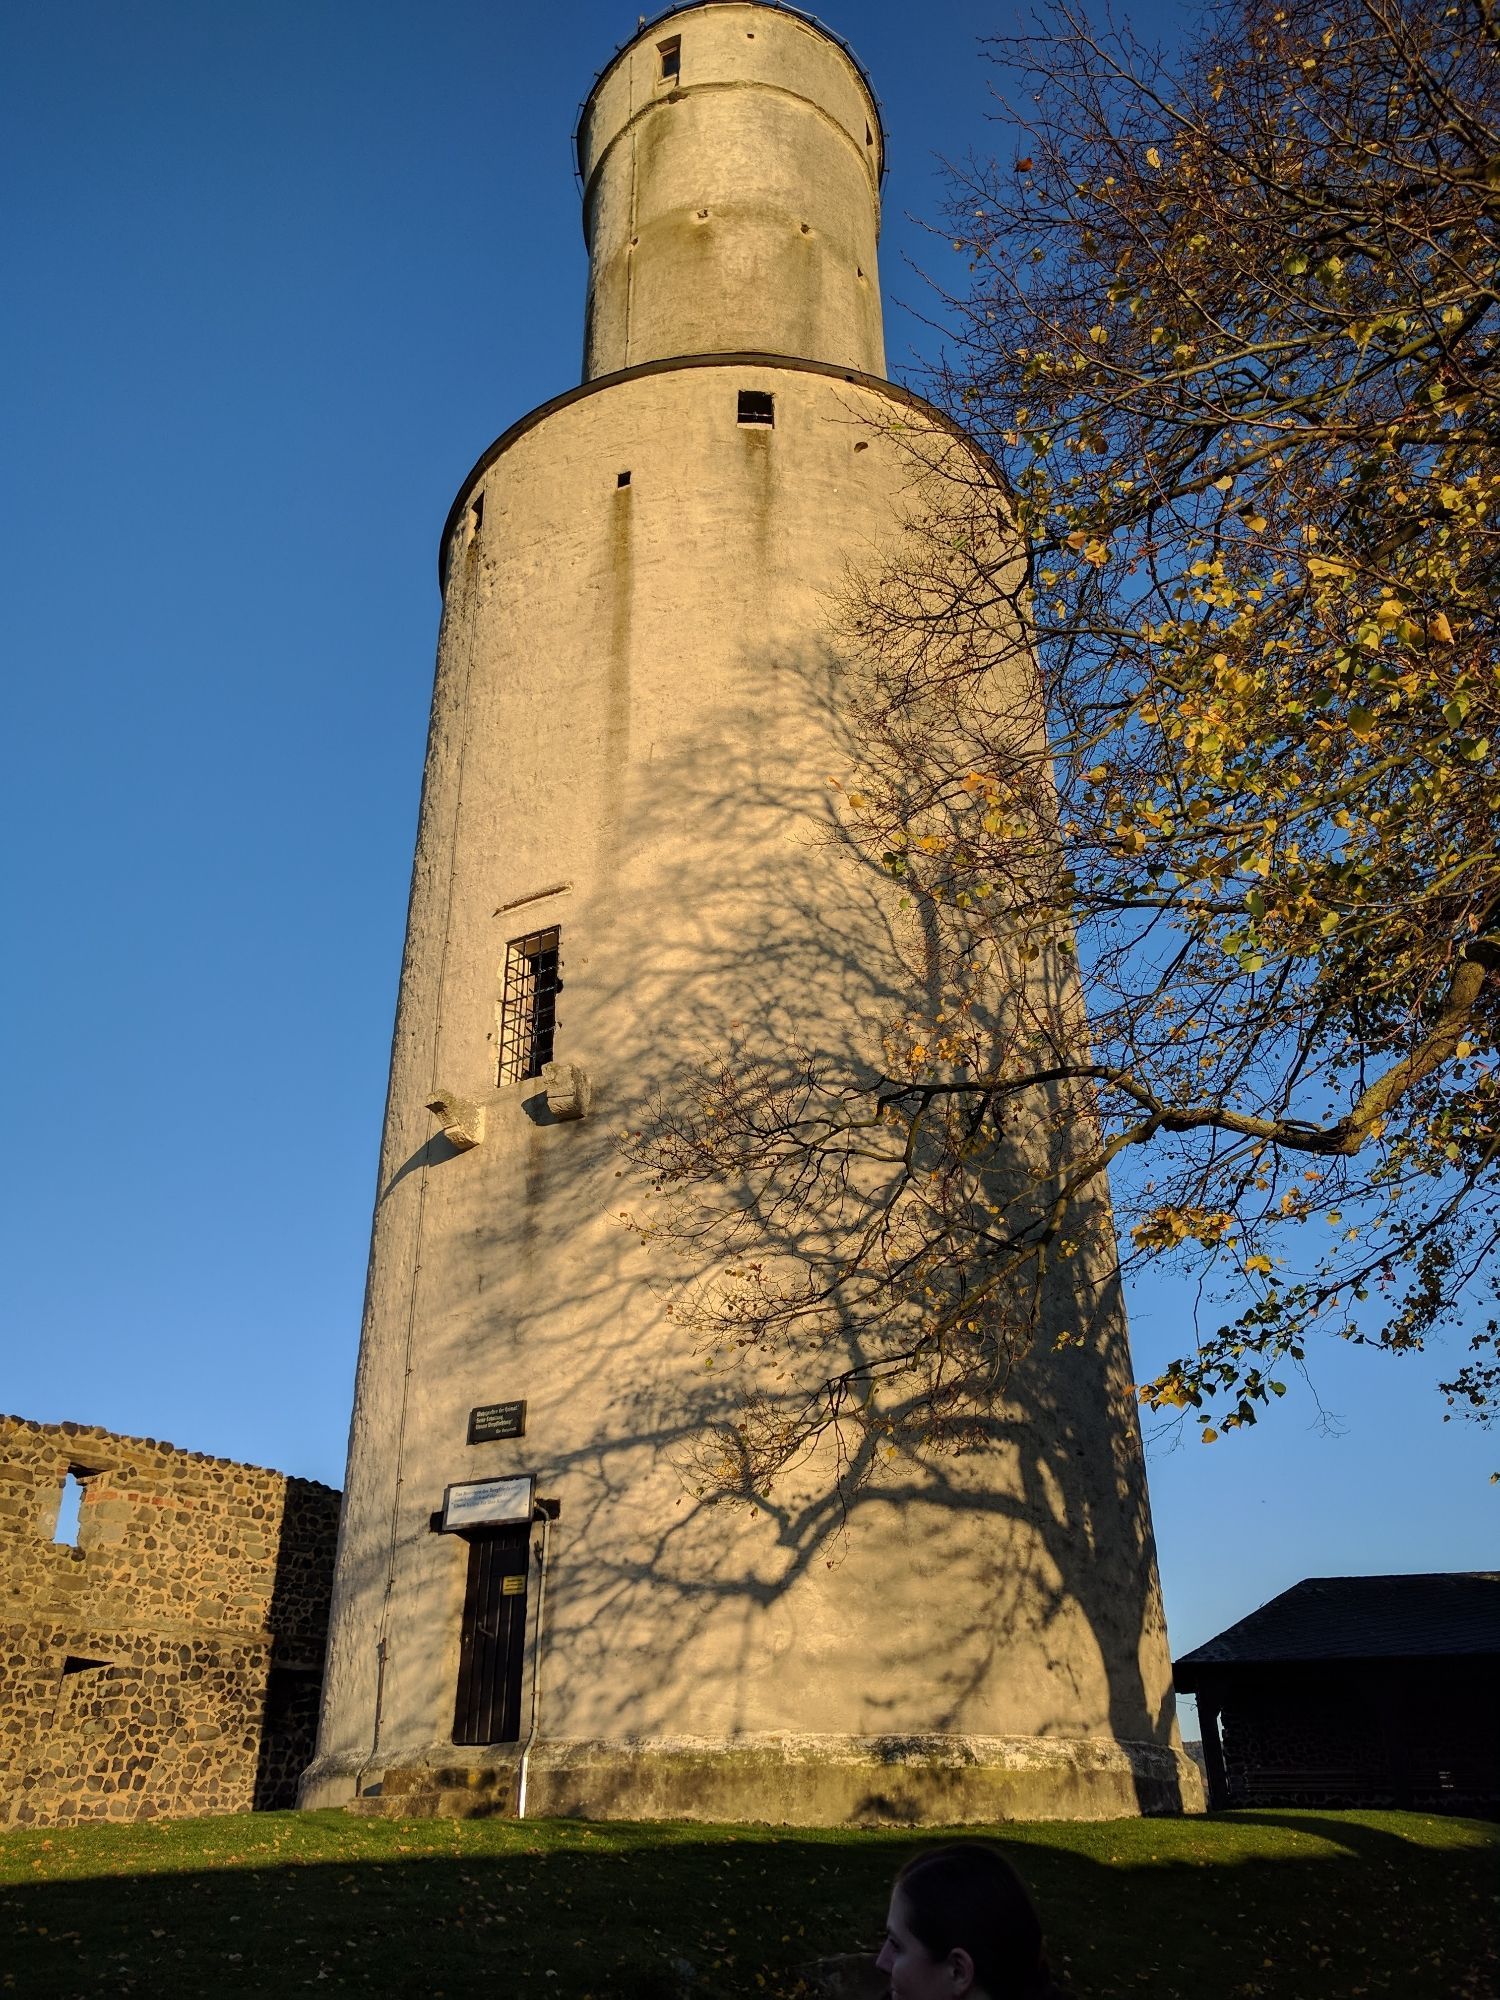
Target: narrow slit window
528	1012
670	52
757	406
66	1531
476	513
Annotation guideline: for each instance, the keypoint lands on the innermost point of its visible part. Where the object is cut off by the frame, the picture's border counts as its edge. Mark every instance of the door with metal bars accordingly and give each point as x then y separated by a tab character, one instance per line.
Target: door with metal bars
493	1645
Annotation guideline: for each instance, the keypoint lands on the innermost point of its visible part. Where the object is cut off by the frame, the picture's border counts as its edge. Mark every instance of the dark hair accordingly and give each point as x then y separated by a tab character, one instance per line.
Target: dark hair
970	1896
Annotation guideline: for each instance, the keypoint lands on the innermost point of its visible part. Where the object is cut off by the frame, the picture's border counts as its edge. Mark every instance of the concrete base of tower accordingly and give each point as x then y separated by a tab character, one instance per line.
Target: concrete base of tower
929	1780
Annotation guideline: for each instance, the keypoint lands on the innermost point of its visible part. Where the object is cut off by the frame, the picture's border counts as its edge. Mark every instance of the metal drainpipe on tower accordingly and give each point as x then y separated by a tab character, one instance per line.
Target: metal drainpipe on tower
536	1666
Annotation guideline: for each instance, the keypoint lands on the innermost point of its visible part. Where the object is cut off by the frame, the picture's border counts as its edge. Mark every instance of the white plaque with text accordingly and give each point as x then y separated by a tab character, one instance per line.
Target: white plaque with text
489	1503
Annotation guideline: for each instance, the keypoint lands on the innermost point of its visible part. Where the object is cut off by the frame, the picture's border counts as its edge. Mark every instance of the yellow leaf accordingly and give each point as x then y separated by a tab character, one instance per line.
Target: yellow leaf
1257	1263
1209	1435
1439	629
1153	158
1256	523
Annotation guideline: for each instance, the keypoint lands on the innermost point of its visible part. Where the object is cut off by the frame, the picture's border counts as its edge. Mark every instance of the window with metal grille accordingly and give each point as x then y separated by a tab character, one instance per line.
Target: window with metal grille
757	407
528	1011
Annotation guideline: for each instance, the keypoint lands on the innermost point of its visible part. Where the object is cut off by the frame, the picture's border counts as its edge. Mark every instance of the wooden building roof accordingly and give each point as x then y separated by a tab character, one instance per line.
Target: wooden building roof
1330	1618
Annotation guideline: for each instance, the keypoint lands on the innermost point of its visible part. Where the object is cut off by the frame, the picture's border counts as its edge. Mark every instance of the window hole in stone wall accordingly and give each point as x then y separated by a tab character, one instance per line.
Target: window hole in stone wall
74	1665
622	479
69	1507
670	52
807	229
286	1687
476	513
757	406
869	136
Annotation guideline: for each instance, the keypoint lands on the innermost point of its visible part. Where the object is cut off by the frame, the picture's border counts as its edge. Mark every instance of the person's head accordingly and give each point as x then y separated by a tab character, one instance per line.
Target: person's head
962	1927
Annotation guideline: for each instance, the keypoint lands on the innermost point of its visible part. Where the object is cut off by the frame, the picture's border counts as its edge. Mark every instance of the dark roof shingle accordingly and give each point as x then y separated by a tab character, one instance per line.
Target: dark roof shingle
1440	1616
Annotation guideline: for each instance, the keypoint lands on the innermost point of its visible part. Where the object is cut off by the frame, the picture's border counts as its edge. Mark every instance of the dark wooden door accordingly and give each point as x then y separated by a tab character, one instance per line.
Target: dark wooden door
493	1646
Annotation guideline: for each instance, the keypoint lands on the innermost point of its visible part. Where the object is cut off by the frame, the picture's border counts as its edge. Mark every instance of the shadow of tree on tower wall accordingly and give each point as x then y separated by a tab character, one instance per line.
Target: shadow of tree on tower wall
939	1571
1025	1525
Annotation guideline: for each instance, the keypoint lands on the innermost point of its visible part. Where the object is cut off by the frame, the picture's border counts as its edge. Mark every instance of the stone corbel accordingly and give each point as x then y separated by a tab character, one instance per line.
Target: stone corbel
463	1122
569	1092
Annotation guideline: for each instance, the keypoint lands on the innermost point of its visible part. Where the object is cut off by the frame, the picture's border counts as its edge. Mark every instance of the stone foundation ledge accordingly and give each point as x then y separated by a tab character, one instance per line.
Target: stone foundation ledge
786	1780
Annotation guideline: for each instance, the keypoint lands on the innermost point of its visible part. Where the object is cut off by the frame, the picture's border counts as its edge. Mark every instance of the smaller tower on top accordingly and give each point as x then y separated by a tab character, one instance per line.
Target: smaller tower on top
731	158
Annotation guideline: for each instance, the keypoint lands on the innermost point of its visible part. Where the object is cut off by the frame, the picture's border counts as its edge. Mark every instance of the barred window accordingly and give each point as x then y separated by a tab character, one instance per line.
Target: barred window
528	1013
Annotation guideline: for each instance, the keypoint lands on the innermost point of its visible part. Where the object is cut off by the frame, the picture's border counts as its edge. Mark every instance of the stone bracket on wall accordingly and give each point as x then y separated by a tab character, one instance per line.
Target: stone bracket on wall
569	1091
463	1121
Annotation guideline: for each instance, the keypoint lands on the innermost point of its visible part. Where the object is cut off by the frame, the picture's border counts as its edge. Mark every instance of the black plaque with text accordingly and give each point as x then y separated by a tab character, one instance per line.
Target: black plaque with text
492	1421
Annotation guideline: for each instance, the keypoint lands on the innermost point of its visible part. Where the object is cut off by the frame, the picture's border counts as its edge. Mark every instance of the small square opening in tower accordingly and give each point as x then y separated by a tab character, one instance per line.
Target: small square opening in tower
528	1012
757	406
622	479
670	52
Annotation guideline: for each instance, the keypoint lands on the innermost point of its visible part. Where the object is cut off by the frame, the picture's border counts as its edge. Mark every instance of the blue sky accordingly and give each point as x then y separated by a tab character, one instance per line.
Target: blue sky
278	275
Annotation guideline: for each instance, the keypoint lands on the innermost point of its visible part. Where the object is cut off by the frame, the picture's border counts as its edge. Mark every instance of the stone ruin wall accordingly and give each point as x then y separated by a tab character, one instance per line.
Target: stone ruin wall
171	1662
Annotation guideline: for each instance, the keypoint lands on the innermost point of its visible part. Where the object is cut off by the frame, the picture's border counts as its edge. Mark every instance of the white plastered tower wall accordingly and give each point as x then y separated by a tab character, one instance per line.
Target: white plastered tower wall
635	716
732	195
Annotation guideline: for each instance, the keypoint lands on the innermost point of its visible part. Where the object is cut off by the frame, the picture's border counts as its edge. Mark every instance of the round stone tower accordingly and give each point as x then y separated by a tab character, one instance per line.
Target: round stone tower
622	861
731	164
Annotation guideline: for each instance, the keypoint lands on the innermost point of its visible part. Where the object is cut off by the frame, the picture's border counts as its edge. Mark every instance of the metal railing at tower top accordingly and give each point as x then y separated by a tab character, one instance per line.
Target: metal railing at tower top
650	21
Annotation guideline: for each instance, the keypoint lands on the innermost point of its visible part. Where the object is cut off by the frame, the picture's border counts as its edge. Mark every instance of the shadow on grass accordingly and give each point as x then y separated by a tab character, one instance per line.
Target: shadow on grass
1279	1906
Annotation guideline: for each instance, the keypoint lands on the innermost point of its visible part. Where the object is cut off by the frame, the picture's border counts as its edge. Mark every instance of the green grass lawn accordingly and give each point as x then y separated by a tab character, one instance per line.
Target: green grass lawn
1300	1906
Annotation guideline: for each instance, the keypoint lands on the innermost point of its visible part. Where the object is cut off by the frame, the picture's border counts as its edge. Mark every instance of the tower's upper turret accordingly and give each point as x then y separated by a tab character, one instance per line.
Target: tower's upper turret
731	159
